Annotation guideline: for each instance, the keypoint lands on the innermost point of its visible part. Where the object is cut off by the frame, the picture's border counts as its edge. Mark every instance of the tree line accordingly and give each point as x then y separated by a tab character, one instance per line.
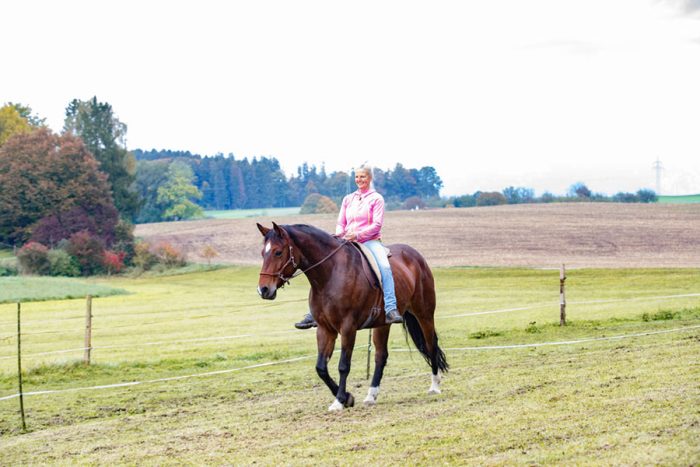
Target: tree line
84	180
226	182
577	192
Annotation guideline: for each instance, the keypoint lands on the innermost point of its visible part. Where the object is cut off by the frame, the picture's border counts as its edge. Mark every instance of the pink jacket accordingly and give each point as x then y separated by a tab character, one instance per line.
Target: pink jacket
362	213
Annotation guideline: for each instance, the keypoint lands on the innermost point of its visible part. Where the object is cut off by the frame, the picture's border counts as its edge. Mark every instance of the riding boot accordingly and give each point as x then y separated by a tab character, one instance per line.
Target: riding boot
307	322
393	317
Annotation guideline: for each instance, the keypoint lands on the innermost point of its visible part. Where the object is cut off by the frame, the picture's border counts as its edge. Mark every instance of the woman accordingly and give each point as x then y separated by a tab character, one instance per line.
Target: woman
360	220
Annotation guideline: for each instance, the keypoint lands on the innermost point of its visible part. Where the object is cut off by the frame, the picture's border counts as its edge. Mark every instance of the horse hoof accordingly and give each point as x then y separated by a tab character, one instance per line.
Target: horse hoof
336	406
350	401
434	391
369	401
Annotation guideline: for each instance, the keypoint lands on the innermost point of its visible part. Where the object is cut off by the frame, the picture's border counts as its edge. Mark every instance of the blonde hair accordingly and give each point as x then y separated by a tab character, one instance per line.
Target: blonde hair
366	169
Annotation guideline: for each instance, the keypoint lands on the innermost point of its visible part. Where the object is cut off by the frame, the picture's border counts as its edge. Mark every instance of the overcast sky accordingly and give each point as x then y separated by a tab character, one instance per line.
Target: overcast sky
491	93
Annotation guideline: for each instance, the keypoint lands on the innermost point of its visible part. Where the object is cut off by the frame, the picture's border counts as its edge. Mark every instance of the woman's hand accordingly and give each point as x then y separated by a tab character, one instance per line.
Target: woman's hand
350	236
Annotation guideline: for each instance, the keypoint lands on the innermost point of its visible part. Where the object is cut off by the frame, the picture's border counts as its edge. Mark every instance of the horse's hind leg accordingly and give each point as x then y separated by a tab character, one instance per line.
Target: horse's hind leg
432	352
380	338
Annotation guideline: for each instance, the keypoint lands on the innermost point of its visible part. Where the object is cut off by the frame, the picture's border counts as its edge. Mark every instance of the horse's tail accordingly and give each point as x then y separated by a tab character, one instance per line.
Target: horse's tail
411	325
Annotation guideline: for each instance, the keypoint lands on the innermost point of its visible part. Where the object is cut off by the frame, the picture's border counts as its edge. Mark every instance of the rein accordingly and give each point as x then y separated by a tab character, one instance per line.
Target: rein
298	271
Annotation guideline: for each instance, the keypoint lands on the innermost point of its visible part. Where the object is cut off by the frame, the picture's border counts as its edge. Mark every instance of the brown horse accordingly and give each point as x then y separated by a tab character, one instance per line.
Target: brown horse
343	299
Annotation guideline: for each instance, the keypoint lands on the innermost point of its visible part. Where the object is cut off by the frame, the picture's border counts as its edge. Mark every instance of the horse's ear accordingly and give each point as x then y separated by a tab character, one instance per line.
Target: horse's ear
280	231
263	230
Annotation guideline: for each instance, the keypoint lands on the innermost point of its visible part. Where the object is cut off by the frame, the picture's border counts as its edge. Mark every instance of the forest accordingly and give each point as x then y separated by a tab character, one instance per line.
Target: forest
226	182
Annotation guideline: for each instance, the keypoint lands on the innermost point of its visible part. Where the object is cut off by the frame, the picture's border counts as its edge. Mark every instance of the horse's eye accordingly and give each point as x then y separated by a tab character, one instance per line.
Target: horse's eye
278	253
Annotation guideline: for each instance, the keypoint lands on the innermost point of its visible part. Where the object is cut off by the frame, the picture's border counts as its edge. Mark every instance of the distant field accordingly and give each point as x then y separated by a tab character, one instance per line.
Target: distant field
608	235
679	199
28	289
243	213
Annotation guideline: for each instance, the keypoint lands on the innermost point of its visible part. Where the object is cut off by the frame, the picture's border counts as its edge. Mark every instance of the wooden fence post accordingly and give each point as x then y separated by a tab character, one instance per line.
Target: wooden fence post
562	296
369	350
19	366
88	330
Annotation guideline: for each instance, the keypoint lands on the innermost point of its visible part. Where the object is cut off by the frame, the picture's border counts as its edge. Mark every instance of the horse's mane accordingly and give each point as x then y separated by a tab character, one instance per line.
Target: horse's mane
310	230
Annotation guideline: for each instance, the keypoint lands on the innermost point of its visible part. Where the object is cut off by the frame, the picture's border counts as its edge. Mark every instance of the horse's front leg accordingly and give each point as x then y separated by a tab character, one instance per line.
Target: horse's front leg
325	338
342	397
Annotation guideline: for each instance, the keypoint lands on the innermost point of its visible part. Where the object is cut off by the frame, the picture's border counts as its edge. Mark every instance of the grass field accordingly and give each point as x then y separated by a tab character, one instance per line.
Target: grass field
245	213
679	199
13	289
224	378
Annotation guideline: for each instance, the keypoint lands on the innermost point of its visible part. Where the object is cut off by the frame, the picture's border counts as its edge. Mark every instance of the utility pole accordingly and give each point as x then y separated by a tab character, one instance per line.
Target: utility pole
658	167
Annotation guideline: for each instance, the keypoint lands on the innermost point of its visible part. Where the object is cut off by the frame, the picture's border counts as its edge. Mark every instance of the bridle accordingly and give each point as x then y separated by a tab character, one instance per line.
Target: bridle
285	280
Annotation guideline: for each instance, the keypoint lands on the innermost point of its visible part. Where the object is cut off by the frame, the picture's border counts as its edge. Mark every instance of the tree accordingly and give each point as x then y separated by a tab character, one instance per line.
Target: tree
579	190
414	202
492	198
104	135
176	195
518	195
317	204
150	176
646	195
26	113
44	175
11	123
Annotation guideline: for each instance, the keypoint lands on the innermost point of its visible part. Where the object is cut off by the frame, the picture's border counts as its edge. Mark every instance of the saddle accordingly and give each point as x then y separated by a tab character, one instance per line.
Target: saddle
375	281
374	276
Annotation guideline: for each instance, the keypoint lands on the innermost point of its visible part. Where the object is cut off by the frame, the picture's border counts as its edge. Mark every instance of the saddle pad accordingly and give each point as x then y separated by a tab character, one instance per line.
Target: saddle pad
373	262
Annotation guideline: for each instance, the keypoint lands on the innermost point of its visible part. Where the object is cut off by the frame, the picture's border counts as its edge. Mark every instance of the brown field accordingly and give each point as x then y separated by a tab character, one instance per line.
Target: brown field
579	235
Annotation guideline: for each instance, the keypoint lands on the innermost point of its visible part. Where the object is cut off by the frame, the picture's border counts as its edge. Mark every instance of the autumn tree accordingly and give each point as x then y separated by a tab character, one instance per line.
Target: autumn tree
55	180
11	123
490	198
104	135
26	113
317	204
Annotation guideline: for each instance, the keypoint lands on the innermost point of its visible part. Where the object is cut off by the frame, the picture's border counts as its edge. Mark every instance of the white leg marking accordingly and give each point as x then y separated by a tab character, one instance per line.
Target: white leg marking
372	394
435	385
336	406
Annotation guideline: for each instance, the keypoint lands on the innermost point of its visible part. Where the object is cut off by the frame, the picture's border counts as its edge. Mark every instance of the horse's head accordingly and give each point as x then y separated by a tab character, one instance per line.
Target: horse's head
279	262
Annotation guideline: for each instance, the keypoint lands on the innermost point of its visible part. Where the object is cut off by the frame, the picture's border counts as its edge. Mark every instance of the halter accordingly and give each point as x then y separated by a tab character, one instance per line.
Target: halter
298	271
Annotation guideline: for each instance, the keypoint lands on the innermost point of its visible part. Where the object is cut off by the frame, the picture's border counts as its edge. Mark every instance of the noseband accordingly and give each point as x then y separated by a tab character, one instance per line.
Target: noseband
280	274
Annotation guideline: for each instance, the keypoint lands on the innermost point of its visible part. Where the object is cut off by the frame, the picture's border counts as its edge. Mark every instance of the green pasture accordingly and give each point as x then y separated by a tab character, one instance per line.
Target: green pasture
223	378
243	213
687	199
16	288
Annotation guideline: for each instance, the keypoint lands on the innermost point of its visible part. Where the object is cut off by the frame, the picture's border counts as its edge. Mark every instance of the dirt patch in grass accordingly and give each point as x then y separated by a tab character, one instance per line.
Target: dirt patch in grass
601	235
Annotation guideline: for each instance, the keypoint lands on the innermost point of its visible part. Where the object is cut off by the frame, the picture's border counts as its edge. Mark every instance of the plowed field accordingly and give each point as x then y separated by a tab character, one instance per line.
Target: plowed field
579	235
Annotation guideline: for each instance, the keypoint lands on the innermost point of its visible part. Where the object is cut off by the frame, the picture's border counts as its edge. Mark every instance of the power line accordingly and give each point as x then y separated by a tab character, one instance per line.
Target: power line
658	167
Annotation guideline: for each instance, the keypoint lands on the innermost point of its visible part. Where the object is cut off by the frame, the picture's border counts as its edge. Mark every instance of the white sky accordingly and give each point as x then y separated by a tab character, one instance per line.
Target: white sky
530	93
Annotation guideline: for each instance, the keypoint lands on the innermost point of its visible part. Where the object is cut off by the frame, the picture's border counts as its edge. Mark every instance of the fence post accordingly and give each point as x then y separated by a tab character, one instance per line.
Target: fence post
562	296
19	366
369	350
88	330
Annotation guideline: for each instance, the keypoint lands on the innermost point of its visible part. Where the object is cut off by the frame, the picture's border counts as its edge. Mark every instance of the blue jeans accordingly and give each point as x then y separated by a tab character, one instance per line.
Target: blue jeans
377	249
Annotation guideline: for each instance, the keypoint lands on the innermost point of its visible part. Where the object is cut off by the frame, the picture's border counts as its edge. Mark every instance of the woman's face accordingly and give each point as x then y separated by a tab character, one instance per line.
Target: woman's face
362	180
